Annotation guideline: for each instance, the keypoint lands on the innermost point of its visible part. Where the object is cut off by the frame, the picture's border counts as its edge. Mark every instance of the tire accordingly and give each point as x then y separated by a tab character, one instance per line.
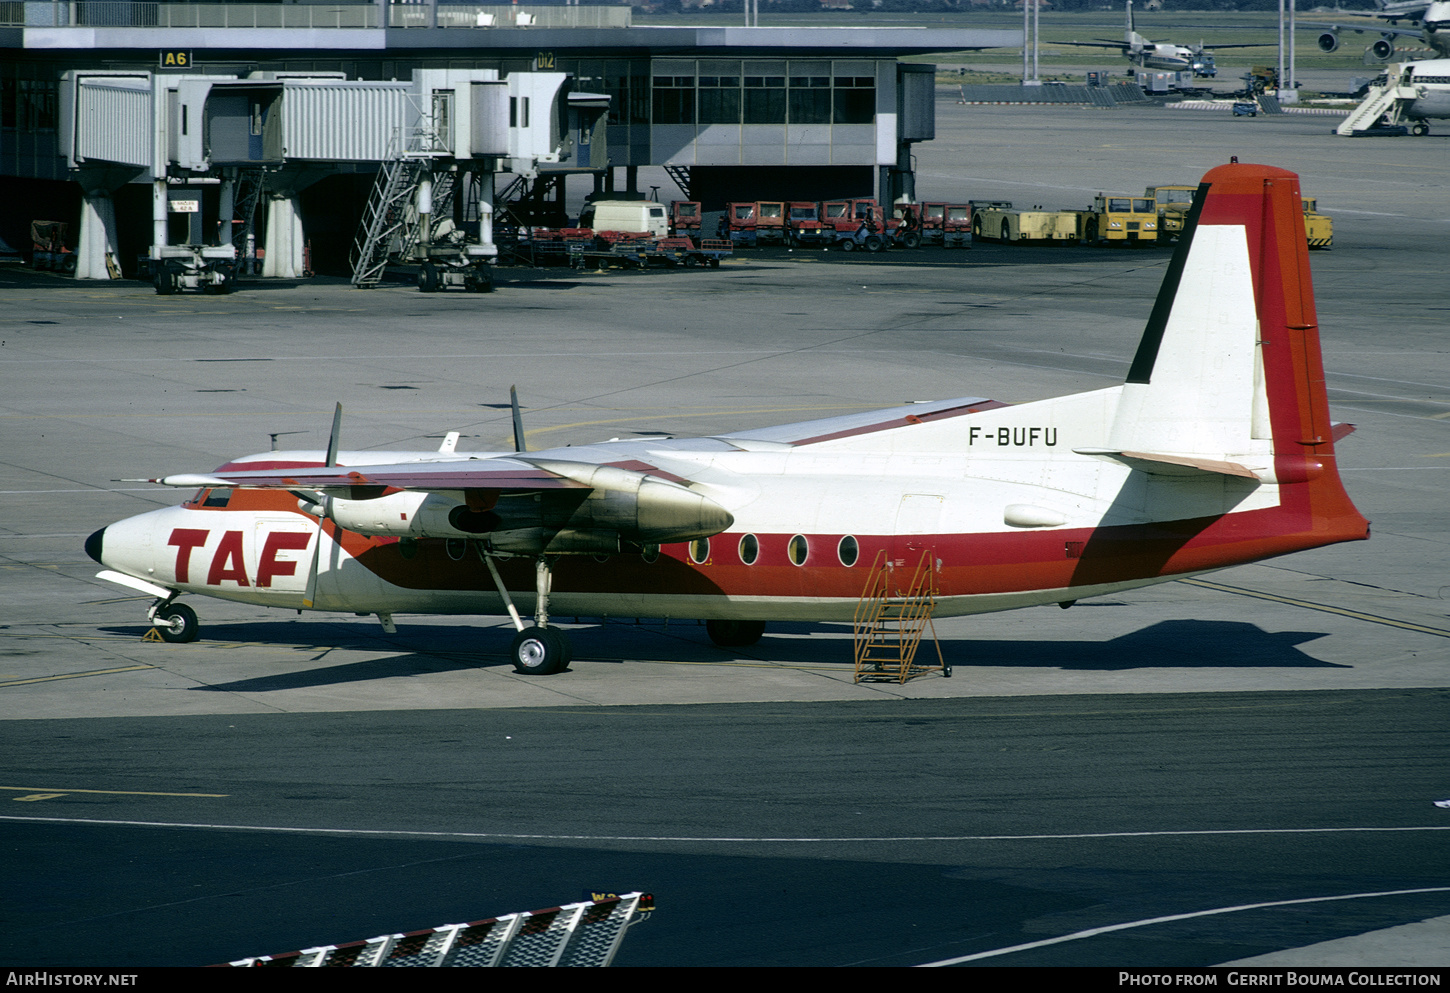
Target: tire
873	243
176	622
1091	234
1420	130
165	285
428	278
1006	233
540	651
848	245
911	240
734	634
976	227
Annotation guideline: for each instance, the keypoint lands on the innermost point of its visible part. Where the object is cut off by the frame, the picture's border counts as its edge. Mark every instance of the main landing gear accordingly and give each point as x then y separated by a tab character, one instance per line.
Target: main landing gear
537	649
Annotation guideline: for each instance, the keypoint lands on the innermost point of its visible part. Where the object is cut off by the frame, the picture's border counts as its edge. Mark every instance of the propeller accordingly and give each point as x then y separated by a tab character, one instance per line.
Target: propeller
310	597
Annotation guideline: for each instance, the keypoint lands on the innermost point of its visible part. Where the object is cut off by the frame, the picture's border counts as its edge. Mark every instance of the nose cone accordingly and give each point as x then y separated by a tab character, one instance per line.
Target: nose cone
95	545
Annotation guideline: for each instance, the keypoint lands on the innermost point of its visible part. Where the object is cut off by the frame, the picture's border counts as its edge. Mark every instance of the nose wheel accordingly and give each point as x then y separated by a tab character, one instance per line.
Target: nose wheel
175	622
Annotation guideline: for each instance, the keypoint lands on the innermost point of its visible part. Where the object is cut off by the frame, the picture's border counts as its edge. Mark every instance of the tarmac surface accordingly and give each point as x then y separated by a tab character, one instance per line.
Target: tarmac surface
1272	734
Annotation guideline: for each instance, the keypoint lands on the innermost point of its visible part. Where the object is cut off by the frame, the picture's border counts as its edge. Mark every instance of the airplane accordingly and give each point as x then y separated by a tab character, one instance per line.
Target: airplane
1433	19
1410	91
1161	55
1217	450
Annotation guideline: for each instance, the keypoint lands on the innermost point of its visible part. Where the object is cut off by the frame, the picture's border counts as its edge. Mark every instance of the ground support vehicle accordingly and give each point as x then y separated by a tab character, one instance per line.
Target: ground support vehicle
853	224
804	227
1173	205
48	247
210	269
957	226
1246	108
1120	218
470	269
738	224
685	218
636	252
770	223
927	219
1318	228
1009	224
547	246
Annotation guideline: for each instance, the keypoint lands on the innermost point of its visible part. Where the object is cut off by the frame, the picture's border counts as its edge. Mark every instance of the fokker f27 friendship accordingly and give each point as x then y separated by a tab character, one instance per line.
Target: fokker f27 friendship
1217	450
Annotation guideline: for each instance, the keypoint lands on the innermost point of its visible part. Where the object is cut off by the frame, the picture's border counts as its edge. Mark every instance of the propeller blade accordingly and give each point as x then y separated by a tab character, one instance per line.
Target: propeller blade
519	444
332	440
310	597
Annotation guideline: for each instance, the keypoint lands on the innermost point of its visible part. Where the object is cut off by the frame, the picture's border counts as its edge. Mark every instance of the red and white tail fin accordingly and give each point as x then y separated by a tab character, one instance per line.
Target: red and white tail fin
1229	368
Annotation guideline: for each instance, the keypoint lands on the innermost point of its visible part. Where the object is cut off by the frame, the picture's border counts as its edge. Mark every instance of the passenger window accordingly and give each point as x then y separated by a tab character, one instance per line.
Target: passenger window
749	549
699	550
798	549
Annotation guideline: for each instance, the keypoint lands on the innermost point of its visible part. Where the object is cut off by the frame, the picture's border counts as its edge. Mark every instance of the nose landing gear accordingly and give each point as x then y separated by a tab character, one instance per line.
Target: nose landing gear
174	622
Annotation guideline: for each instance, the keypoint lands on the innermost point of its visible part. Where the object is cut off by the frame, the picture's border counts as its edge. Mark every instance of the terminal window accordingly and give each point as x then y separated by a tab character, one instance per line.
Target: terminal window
674	99
855	100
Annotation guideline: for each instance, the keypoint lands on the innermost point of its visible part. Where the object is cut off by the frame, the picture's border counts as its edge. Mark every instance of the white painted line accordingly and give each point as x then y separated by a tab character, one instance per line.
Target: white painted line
374	832
1094	932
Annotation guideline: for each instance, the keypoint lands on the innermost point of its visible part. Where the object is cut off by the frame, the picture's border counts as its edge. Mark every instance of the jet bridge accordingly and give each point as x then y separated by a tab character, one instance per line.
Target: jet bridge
267	136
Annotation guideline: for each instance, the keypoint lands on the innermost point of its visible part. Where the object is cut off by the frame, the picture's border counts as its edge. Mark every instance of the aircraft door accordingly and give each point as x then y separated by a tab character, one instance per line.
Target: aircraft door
280	555
918	521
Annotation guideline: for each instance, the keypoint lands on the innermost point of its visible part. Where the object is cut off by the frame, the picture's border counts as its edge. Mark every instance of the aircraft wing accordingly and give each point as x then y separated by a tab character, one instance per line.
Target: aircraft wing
1367	27
490	474
1119	45
518	504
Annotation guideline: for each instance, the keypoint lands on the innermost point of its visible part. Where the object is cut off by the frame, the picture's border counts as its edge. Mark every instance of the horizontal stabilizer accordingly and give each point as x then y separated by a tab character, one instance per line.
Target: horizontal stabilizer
1172	465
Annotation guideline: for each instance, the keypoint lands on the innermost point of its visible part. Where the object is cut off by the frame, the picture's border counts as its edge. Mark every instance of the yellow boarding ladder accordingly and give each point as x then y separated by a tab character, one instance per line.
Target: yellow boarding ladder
890	623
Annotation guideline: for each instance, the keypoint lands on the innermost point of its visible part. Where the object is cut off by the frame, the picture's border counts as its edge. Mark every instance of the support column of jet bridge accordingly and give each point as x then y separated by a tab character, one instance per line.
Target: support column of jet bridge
891	620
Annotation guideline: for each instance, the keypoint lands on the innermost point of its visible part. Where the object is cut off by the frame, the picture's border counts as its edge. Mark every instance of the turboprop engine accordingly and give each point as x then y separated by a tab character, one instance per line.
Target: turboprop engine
605	506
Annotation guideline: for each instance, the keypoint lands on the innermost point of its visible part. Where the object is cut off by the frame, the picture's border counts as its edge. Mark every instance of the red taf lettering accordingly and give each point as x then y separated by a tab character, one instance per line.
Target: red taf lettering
186	539
276	542
227	562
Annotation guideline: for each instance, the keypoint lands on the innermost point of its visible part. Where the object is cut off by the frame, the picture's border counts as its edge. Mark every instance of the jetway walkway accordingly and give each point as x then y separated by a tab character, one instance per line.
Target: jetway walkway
262	138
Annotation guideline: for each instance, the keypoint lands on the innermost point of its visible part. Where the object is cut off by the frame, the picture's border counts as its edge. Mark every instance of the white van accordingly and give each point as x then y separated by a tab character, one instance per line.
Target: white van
632	216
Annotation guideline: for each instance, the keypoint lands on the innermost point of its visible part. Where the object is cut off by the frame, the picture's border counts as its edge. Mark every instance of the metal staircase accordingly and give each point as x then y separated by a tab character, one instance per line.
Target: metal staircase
681	177
890	623
251	186
1390	98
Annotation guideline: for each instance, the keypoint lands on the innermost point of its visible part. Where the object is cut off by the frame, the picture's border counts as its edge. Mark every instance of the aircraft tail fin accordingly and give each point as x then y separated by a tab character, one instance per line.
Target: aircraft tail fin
1229	367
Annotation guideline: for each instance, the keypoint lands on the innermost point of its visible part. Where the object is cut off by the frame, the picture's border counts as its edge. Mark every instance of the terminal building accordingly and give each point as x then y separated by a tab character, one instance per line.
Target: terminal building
293	110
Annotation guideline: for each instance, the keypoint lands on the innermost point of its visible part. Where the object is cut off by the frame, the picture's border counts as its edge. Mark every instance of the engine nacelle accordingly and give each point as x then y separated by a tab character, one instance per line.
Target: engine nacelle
1329	41
1383	50
608	506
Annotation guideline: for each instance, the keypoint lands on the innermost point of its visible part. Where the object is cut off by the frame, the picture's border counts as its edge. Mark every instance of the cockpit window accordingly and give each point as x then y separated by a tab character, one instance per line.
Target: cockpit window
219	497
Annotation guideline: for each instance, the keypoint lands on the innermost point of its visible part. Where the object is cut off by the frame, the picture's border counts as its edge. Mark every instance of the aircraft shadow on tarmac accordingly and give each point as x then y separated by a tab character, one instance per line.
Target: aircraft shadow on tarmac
1175	644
